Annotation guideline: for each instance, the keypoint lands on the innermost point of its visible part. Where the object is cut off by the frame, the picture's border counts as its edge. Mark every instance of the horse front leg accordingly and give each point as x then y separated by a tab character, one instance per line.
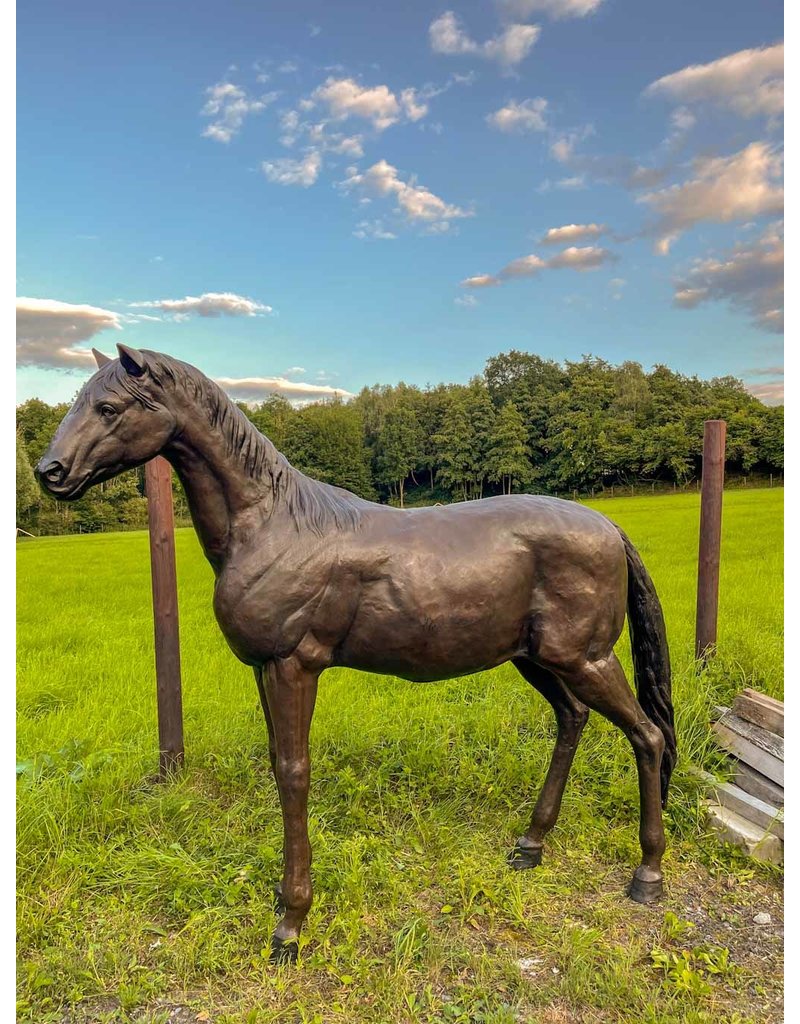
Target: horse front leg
291	692
262	693
259	672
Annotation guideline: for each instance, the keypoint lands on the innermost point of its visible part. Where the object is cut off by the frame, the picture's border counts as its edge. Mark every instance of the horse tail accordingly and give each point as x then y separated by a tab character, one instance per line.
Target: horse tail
651	657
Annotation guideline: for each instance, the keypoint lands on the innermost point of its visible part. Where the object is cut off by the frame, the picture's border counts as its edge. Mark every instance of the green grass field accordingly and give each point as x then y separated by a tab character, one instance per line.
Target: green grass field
151	903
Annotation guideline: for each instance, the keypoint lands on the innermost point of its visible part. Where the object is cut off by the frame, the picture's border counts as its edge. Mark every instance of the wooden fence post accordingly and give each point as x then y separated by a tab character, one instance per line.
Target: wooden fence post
710	538
158	485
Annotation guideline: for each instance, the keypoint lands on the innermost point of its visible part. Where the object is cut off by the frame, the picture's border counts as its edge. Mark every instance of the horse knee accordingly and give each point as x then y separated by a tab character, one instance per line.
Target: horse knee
293	775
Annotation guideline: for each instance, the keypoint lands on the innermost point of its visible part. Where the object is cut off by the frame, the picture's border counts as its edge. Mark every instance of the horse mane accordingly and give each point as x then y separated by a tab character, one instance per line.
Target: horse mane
309	502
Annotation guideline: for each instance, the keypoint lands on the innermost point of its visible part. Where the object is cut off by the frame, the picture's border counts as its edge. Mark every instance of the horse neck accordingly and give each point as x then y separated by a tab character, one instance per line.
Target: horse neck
223	464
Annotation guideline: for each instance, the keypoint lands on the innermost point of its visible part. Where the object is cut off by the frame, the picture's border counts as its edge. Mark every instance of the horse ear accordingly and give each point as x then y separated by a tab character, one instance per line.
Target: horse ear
101	358
132	360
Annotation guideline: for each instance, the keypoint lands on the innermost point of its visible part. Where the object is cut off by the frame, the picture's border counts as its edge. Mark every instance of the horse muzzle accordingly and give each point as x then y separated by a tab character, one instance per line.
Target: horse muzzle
50	473
53	478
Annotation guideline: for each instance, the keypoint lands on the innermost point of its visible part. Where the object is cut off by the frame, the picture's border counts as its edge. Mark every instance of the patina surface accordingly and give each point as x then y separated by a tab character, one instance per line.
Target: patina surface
309	576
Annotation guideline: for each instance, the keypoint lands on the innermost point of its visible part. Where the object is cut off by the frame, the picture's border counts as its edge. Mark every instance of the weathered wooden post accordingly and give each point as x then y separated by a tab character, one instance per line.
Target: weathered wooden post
710	538
158	488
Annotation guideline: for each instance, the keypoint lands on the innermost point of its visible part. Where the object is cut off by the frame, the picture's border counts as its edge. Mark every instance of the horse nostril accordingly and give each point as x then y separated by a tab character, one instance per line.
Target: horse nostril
53	472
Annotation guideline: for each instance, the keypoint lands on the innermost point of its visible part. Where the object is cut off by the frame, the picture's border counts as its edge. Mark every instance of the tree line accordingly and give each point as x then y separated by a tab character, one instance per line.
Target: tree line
525	424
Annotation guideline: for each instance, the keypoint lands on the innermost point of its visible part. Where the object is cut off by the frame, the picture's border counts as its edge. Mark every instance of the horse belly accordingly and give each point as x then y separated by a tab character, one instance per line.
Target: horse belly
437	629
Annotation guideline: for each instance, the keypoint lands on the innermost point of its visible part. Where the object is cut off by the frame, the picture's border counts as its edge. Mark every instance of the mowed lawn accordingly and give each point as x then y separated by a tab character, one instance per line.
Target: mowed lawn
152	903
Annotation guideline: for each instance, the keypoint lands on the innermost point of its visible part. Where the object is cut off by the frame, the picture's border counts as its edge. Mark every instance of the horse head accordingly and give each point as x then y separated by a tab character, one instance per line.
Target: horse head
121	418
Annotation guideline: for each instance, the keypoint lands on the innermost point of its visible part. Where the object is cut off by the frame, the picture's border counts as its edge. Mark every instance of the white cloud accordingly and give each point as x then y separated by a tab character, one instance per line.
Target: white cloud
250	389
572	233
589	257
48	330
480	281
525	266
210	304
317	136
372	229
509	47
468	301
344	145
555	9
286	171
682	120
229	106
525	116
413	104
571	184
415	201
749	82
345	97
750	277
723	189
769	394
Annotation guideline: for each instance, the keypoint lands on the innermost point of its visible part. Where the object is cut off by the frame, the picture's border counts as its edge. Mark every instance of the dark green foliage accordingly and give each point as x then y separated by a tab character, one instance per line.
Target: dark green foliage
27	491
401	445
508	460
326	442
527	424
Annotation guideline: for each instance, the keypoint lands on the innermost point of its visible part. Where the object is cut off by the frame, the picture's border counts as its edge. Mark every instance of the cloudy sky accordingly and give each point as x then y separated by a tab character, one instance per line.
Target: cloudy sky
323	196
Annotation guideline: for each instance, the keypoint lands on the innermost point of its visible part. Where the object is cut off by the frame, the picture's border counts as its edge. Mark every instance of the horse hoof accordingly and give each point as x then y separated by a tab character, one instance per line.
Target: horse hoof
277	900
523	857
283	951
646	891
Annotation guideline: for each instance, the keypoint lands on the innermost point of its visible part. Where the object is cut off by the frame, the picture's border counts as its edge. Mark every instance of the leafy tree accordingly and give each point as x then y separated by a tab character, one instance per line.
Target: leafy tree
326	441
508	450
455	446
770	443
38	422
531	383
271	417
667	449
482	416
27	489
400	447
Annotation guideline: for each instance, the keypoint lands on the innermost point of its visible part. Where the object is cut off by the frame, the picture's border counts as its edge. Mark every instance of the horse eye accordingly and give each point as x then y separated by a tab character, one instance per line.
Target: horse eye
108	411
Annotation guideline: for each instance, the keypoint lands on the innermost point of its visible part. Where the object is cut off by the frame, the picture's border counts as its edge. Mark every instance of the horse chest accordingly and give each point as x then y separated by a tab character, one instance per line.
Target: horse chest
266	612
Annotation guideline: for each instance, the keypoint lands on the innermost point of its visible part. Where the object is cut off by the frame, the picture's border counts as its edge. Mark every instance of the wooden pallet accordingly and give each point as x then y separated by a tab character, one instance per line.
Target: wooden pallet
748	811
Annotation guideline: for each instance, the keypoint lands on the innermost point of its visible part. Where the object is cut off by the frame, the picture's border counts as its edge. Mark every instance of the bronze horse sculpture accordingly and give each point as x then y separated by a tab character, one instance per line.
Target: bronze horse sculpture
309	576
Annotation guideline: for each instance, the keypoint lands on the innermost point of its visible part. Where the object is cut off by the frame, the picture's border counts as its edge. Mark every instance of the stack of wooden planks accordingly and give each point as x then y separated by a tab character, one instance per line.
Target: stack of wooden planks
748	811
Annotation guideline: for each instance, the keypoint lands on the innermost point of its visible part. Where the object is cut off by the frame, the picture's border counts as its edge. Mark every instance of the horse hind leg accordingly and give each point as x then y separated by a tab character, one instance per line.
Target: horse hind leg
571	716
602	686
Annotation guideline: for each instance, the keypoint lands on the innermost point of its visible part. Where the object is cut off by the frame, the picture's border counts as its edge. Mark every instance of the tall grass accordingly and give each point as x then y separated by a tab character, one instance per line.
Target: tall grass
134	898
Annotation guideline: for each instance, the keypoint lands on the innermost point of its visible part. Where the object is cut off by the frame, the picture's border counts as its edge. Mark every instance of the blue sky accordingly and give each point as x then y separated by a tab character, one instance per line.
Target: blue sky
325	196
